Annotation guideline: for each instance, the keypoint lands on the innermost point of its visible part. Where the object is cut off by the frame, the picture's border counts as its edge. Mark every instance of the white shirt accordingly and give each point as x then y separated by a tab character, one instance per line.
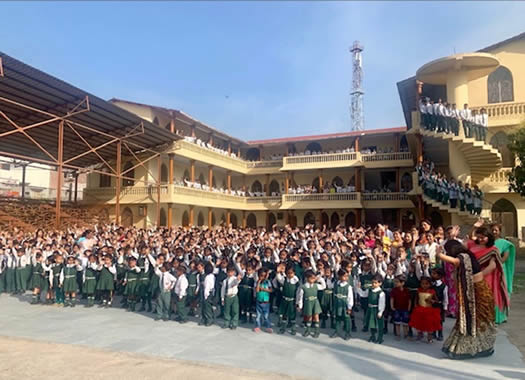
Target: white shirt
181	286
230	287
166	280
465	114
209	285
349	296
445	294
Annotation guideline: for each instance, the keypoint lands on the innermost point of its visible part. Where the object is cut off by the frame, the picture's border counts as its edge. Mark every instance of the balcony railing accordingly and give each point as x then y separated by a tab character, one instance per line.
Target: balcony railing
322	197
384	197
182	190
373	157
264	164
504	113
330	157
501	176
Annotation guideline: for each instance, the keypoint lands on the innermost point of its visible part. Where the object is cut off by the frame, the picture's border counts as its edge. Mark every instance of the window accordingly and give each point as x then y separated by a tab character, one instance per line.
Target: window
105	180
6	166
500	87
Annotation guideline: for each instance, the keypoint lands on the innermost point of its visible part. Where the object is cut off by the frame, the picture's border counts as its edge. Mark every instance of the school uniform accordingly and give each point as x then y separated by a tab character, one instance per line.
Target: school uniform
466	116
453	194
132	286
287	311
442	295
106	282
206	292
326	300
56	274
166	283
21	273
246	298
468	200
388	285
3	265
220	276
68	283
230	300
343	302
461	198
477	201
374	313
90	282
192	297
144	282
39	281
365	282
181	290
10	268
308	302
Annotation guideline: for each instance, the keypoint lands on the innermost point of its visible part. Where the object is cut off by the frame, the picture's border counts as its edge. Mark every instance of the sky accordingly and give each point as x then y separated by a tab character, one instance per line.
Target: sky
254	70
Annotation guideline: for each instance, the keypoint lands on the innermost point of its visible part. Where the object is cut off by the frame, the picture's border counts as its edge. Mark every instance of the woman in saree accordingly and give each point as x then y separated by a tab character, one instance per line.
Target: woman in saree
507	251
488	256
474	333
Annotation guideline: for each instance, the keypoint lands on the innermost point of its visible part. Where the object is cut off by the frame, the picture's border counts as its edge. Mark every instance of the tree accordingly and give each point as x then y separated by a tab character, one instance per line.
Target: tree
517	175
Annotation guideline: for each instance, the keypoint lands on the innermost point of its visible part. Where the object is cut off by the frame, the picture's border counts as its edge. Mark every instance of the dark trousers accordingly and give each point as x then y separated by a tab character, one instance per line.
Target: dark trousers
467	128
453	203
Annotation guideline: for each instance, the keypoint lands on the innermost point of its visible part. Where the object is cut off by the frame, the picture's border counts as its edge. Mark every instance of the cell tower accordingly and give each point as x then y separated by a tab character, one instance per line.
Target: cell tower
356	106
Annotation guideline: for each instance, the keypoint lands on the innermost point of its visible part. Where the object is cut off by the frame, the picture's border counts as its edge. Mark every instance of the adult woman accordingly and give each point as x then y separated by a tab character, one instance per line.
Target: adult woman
474	333
508	258
482	246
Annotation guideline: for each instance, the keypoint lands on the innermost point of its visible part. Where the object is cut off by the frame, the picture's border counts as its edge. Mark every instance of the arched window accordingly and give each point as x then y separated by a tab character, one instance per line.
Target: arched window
504	212
274	187
251	221
233	220
271	220
200	219
130	174
163	218
500	141
257	187
185	219
253	154
313	147
334	220
104	180
309	218
324	220
315	183
338	181
163	173
406	182
500	87
127	217
350	219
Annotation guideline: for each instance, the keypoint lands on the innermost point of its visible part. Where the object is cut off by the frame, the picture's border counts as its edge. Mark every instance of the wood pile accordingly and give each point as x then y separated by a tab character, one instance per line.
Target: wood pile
32	215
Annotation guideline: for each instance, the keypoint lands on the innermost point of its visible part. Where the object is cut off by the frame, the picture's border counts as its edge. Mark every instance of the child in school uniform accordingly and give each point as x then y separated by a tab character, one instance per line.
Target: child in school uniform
90	279
424	317
56	272
326	298
206	293
181	290
166	283
106	280
131	283
246	292
192	298
400	304
387	286
10	268
39	281
3	265
364	282
308	303
21	271
230	298
220	275
288	283
375	309
441	290
343	301
68	281
263	288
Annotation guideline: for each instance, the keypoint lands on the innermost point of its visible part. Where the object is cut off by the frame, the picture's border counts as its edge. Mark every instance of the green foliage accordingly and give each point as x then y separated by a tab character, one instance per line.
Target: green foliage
517	175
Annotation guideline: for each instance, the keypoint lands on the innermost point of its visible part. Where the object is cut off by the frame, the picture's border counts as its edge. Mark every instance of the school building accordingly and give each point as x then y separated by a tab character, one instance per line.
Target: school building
206	177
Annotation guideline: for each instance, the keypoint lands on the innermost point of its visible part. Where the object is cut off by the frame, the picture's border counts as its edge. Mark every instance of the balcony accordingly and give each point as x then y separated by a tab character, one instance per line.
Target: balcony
322	201
128	194
386	200
321	161
196	152
503	114
386	160
497	182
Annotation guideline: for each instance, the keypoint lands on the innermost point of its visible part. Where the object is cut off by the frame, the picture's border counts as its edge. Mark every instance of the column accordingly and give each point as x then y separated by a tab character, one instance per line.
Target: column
358	180
192	170
261	151
320	180
210	176
210	139
75	198
356	144
192	214
419	148
193	131
229	147
419	92
286	184
24	166
244	182
170	214
267	185
210	217
172	125
171	174
229	180
228	217
118	182
420	207
243	219
267	219
396	142
58	211
320	216
457	87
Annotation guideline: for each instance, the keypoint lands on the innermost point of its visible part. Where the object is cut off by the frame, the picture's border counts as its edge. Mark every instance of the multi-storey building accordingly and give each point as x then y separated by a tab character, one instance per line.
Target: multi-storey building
208	177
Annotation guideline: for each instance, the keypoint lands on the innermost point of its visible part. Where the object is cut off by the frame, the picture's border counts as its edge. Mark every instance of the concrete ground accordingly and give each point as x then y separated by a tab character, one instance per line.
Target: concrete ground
514	326
136	347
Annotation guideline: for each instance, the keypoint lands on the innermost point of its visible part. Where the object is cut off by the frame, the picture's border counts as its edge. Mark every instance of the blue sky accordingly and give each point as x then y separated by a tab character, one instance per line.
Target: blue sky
252	69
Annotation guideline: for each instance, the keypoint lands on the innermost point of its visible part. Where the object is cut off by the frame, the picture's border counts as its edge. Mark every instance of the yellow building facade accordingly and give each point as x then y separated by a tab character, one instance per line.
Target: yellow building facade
207	177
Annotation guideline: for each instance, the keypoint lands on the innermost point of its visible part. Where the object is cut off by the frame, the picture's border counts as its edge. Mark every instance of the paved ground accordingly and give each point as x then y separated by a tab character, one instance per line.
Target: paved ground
120	332
514	327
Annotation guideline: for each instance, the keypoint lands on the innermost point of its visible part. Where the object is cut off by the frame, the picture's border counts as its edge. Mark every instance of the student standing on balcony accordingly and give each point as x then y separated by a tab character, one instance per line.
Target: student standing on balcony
466	116
477	124
431	115
425	120
484	124
468	198
453	192
439	112
477	196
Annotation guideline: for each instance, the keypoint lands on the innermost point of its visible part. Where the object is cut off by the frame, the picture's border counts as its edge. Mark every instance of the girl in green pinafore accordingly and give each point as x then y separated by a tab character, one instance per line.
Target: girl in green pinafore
308	302
106	280
90	280
22	271
154	283
376	307
38	278
192	298
288	285
326	298
365	282
131	283
68	281
10	282
56	271
343	304
144	281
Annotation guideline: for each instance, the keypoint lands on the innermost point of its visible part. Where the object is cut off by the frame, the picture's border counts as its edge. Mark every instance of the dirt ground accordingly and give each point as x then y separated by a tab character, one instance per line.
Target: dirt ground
514	326
28	359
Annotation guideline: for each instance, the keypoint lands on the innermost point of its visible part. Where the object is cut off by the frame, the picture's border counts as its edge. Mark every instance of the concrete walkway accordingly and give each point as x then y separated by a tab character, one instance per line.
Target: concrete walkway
117	330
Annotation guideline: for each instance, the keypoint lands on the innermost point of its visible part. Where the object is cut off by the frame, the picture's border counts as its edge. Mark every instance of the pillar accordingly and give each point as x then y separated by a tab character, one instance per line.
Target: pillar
192	170
267	219
320	180
210	217
261	150
228	218
192	215
210	139
75	198
419	92
286	184
419	148
193	131
24	166
243	219
229	147
171	168
244	182
229	180
420	207
396	142
457	87
358	180
210	176
118	182
267	185
170	214
356	144
320	217
172	125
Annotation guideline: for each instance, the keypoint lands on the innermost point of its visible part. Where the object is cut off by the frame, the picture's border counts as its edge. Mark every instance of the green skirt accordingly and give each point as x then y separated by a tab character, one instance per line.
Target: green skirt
132	288
70	285
326	300
371	318
90	285
311	307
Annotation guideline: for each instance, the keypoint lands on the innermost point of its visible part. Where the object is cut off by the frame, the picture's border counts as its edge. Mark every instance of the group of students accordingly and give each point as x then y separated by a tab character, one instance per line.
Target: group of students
237	275
443	117
447	191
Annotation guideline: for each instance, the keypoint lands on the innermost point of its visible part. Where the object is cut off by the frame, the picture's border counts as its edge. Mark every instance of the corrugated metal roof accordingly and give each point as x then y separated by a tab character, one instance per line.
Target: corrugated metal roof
34	88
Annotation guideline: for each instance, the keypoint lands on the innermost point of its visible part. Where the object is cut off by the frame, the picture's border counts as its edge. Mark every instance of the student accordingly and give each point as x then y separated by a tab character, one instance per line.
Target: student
106	280
206	291
424	317
90	279
68	281
461	196
131	283
56	271
326	298
400	304
469	203
387	286
263	289
342	304
38	280
221	273
442	296
192	298
375	309
21	271
181	290
308	302
453	193
166	284
288	284
10	269
230	298
246	292
484	124
477	200
364	282
466	117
